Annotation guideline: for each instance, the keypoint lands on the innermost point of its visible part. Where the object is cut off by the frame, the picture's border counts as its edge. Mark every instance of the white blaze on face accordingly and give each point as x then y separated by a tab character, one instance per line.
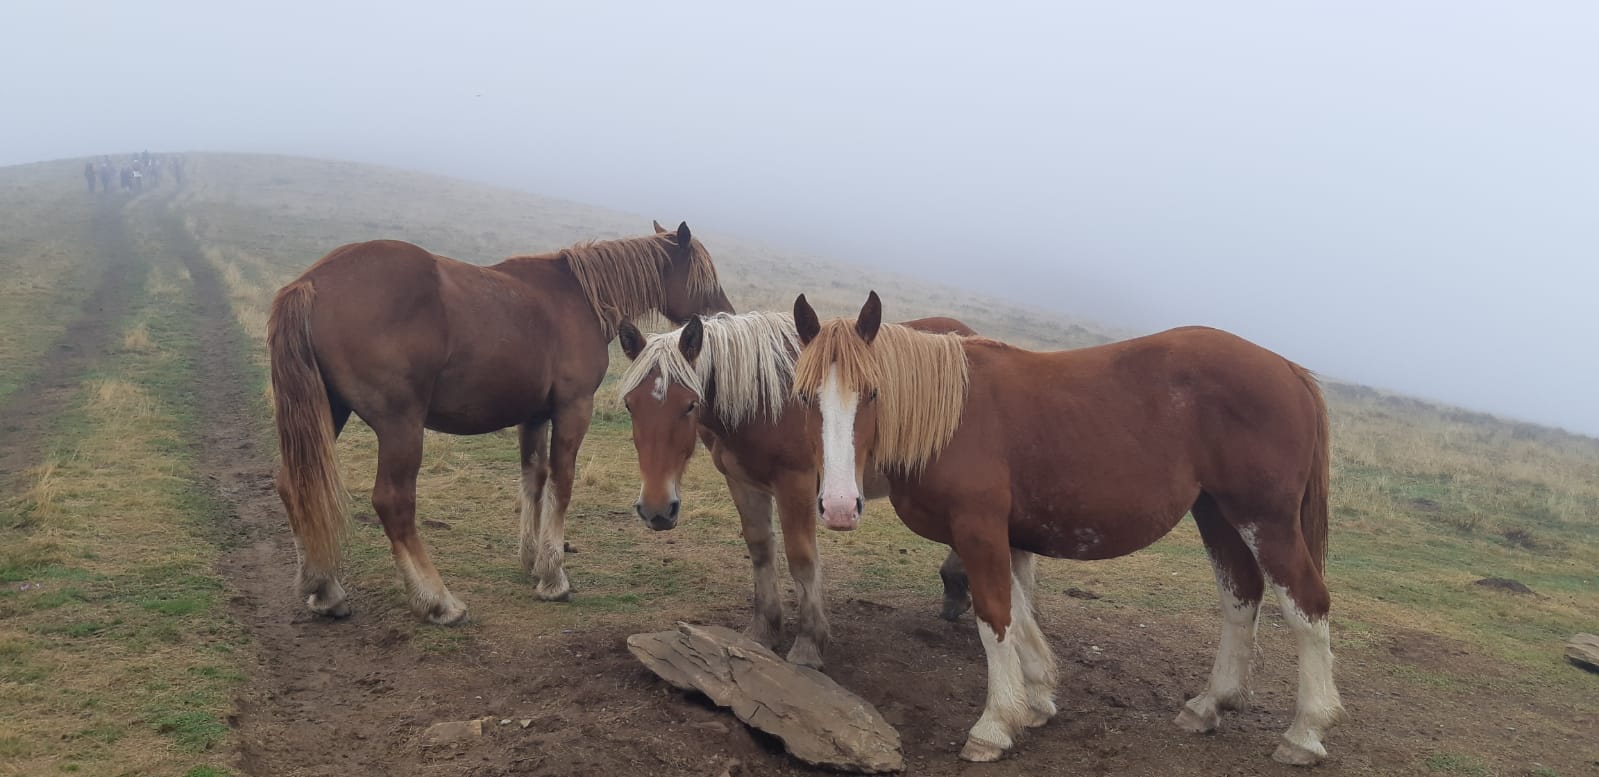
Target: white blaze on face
659	392
841	494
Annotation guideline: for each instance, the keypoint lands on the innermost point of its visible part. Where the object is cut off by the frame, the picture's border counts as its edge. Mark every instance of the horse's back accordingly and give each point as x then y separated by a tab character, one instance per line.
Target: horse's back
943	325
1184	384
1119	439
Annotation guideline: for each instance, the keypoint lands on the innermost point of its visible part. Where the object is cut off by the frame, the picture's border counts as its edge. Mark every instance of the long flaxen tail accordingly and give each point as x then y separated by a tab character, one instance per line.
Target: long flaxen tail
1313	509
309	481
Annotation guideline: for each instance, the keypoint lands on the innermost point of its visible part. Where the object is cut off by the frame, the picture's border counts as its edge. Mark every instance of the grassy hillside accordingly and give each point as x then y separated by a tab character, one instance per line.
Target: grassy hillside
1426	499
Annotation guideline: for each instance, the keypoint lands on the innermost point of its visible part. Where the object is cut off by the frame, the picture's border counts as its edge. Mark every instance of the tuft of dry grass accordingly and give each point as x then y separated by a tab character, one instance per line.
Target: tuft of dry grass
120	402
137	339
42	497
253	319
164	284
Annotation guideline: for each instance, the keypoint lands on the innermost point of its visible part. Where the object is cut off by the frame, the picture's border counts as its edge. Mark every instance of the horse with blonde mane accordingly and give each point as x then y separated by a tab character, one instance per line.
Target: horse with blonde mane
409	340
727	380
1092	453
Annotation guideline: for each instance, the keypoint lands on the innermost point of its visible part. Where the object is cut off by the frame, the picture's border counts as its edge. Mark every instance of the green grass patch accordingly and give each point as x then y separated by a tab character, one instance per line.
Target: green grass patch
207	771
1454	763
194	731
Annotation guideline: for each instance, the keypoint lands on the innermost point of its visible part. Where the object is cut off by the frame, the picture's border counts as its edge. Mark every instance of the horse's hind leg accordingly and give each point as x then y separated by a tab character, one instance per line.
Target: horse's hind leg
568	425
534	442
957	590
1239	585
1280	550
394	498
318	585
755	513
796	510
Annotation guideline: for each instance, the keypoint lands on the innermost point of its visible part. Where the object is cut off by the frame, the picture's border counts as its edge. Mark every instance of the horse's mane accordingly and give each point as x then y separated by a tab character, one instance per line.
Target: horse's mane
749	355
622	278
921	381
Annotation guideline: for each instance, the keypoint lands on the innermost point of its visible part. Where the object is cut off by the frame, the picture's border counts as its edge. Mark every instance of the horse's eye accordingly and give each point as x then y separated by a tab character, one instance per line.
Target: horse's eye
872	397
692	406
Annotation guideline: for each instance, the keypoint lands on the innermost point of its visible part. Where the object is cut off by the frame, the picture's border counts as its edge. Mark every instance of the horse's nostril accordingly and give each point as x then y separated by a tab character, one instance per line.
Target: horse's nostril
677	504
820	510
638	507
860	505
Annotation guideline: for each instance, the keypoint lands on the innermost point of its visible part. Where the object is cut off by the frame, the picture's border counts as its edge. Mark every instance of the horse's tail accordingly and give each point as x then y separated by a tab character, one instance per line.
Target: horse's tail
1313	509
309	480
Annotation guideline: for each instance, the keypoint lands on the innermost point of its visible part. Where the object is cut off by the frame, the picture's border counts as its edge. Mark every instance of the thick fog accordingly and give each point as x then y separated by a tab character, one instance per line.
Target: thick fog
1401	194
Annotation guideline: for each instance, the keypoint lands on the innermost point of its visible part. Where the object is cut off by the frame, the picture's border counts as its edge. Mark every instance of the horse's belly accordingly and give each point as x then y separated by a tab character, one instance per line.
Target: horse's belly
469	426
483	411
1091	538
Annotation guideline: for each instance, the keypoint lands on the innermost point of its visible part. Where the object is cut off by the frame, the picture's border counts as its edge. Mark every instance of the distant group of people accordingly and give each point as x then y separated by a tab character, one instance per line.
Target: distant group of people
138	171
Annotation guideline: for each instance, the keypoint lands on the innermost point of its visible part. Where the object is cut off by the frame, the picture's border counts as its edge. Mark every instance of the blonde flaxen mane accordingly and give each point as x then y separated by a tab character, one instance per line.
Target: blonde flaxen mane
749	355
921	381
622	278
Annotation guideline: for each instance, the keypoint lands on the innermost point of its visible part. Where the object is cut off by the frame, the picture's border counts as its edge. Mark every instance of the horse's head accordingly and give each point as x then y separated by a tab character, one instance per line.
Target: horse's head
664	410
836	378
689	284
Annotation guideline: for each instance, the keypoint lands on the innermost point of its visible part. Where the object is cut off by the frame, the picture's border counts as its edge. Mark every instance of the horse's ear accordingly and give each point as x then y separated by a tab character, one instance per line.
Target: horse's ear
632	339
691	339
659	230
805	321
683	236
870	319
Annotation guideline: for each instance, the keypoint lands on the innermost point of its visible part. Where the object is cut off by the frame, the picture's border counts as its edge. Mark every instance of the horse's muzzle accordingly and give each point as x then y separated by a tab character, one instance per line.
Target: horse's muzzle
841	514
657	519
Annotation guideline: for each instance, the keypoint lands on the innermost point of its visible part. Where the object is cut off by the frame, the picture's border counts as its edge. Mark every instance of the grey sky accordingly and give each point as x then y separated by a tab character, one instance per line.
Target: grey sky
1402	194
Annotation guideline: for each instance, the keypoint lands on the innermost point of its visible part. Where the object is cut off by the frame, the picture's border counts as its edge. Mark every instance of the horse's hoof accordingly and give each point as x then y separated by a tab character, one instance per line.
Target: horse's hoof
1043	712
804	653
978	751
954	609
446	616
1202	722
337	611
564	595
1298	755
764	635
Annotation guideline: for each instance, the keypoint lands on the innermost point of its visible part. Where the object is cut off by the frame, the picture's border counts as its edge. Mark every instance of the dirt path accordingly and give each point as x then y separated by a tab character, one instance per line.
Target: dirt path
30	409
351	697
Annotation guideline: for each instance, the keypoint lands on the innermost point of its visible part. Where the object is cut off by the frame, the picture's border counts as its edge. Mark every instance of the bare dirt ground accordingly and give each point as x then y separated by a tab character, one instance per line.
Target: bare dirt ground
352	697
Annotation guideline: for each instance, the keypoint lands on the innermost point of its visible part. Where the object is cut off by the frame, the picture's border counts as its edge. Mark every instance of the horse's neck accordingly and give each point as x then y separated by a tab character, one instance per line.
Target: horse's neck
554	283
544	271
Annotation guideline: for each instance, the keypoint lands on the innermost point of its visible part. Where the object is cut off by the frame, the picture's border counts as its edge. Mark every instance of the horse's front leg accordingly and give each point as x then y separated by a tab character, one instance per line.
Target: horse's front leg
796	508
755	514
1020	665
568	425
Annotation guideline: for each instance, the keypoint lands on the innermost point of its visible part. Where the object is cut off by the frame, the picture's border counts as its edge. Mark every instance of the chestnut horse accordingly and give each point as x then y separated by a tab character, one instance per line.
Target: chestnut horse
1087	454
727	380
409	340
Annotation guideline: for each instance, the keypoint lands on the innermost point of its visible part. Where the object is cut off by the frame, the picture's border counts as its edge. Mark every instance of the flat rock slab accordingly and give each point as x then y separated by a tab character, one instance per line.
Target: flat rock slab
819	721
1583	650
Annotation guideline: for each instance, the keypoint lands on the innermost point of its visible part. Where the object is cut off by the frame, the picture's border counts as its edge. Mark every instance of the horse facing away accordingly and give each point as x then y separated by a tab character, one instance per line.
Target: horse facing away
1087	454
409	340
727	380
